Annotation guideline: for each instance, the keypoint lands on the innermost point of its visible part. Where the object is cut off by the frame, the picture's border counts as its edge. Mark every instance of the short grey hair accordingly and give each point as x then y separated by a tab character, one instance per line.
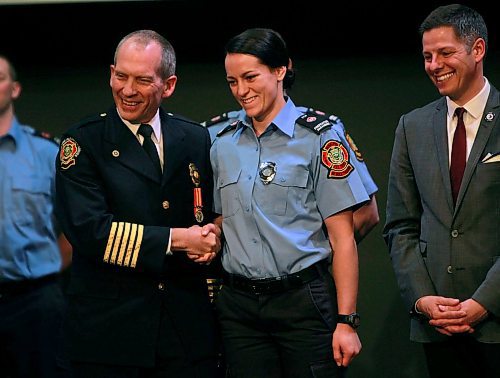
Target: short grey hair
145	37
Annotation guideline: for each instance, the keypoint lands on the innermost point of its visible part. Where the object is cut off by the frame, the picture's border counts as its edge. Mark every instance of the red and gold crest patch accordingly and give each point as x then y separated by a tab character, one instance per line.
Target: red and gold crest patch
335	157
68	152
353	146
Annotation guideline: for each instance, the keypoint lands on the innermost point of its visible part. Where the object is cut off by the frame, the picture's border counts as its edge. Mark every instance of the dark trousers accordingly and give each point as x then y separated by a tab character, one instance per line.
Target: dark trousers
281	335
462	356
31	315
172	360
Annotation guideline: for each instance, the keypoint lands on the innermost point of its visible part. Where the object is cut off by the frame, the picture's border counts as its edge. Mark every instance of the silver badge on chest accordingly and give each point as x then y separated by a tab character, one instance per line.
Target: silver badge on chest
267	172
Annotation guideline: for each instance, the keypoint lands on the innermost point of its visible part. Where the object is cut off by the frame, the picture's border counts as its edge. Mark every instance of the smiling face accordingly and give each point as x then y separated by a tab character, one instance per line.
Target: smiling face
455	69
138	89
257	87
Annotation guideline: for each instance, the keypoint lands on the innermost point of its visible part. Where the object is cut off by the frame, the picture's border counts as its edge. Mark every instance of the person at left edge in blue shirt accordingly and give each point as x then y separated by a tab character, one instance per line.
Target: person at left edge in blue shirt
32	251
279	176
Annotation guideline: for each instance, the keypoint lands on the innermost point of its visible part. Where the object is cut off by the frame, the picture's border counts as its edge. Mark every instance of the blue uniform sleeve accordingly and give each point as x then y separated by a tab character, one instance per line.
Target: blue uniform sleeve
337	182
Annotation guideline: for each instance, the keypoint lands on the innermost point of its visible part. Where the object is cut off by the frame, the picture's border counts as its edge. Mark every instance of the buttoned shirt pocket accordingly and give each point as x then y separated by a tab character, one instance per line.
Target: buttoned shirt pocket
228	188
31	199
286	193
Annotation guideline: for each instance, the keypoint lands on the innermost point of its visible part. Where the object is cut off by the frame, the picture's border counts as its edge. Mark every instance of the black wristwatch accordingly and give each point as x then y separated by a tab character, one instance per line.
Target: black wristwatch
352	319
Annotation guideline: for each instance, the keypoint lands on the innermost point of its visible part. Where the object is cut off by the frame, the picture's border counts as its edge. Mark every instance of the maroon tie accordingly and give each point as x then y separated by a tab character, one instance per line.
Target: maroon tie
458	151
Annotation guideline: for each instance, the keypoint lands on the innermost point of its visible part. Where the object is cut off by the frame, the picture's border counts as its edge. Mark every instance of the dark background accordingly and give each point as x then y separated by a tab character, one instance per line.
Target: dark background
86	33
359	61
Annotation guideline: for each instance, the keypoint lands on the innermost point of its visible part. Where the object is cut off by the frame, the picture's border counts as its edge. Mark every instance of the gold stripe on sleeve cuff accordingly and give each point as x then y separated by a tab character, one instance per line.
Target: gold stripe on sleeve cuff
111	238
137	245
130	246
116	244
124	244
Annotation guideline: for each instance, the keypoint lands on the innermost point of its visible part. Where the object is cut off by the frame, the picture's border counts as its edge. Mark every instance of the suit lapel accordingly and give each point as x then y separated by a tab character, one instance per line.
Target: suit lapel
441	141
126	149
483	133
174	148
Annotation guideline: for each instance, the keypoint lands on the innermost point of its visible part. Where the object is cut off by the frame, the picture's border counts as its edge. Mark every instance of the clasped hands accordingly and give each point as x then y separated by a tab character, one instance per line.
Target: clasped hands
204	243
449	316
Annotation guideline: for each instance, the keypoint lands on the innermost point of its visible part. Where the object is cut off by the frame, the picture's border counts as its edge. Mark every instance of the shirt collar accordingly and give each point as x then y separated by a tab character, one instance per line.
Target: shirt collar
284	120
475	107
15	132
155	123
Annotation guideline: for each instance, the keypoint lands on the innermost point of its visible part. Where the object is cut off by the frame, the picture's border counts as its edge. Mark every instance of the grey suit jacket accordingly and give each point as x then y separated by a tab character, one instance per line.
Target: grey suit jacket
436	248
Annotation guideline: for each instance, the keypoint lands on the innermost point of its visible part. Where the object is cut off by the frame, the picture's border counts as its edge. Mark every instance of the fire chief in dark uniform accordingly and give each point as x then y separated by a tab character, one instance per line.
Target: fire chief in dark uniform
134	189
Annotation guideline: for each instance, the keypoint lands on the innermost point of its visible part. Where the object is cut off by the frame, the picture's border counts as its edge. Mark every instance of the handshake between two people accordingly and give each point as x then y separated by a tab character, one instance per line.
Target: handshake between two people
200	243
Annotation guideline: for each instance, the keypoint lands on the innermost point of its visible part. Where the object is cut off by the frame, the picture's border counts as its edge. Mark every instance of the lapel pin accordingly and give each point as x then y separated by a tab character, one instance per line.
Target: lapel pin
490	116
115	153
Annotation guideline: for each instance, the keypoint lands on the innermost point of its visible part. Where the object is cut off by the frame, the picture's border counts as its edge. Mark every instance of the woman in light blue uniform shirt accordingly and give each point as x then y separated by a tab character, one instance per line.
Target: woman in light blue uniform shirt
286	188
366	217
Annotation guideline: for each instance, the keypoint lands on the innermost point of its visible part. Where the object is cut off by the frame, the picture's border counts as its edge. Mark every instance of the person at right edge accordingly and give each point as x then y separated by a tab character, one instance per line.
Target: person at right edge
285	189
443	234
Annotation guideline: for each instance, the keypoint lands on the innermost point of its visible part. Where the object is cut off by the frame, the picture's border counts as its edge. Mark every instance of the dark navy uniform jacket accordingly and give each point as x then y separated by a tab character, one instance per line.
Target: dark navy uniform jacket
117	213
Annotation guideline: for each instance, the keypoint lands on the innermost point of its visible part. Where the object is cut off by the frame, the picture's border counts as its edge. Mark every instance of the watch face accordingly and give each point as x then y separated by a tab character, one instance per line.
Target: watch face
352	319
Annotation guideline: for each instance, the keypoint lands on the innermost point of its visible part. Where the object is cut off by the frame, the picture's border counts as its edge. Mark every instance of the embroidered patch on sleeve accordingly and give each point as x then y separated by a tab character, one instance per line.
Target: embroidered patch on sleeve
353	146
68	152
335	157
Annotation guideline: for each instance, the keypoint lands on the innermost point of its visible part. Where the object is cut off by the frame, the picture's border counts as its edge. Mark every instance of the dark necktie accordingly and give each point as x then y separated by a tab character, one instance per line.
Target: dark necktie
149	146
458	152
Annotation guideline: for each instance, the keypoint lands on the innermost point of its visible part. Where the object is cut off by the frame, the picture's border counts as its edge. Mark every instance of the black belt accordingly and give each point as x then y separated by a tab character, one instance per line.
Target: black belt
8	288
271	285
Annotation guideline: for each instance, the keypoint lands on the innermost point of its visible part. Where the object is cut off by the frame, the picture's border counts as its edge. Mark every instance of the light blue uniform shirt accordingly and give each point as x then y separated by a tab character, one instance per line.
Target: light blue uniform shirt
357	162
28	241
276	229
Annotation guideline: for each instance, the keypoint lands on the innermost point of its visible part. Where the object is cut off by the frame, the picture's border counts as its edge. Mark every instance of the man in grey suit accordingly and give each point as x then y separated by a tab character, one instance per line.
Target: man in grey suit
442	228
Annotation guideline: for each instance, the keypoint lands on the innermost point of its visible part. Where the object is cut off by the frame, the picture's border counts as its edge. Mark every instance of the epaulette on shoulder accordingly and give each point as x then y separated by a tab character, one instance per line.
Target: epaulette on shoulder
48	136
316	123
183	118
331	117
43	134
91	119
215	120
229	127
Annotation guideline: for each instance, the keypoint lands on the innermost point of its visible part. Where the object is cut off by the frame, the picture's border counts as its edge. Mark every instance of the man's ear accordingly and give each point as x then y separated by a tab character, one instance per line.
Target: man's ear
16	90
169	86
479	49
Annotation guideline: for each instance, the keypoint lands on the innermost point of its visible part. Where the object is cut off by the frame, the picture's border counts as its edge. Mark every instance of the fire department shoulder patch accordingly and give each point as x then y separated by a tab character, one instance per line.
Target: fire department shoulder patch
68	152
353	146
335	157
